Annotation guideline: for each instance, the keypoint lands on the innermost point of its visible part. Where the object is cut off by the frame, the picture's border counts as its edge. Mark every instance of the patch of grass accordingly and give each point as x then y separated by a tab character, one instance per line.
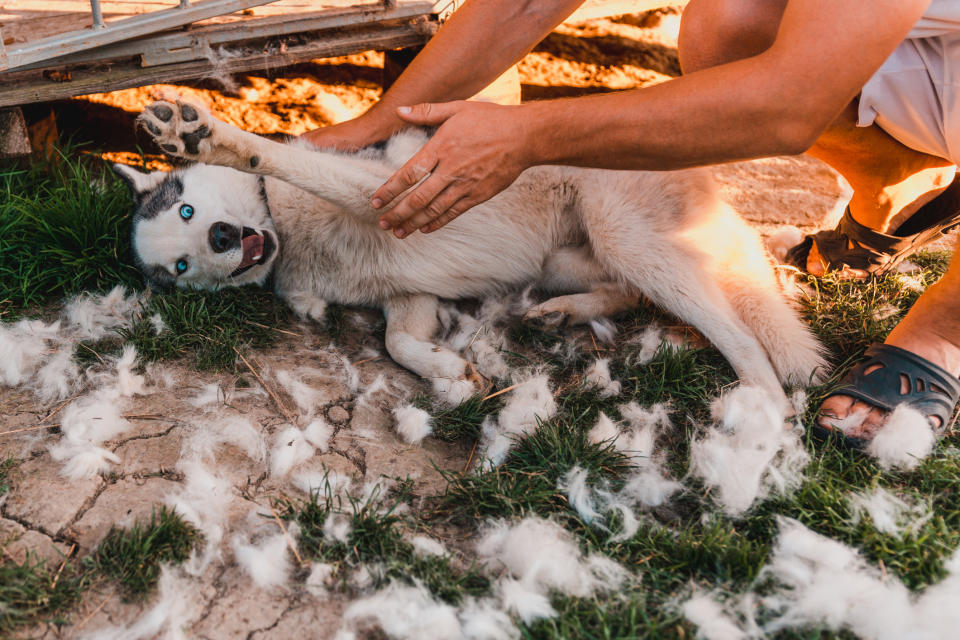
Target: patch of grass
848	315
463	421
133	556
208	325
527	480
5	468
31	591
377	536
686	378
64	228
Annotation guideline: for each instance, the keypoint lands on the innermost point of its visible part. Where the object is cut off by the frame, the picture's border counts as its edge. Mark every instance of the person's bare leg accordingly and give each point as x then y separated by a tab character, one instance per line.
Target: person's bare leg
890	182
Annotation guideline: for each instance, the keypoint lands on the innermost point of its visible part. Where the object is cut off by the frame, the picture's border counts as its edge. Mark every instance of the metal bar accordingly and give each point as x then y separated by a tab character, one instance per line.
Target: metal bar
97	14
62	44
199	42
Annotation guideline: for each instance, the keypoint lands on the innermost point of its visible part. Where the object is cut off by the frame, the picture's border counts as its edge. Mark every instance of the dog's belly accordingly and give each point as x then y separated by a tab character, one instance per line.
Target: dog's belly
499	245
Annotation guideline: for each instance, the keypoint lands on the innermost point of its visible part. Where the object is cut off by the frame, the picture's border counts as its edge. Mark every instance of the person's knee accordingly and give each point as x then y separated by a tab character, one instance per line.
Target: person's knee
714	32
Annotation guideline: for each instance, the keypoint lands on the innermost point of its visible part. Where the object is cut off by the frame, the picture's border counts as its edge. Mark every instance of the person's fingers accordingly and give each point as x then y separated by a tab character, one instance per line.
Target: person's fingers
429	113
433	210
415	205
418	167
453	211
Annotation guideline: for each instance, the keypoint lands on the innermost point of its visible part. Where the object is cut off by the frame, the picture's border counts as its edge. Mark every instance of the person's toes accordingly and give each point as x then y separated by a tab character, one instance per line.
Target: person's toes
836	407
873	420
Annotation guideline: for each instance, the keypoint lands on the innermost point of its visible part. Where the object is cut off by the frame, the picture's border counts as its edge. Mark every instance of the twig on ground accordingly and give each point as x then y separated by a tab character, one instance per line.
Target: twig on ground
502	391
470	458
276	400
94	612
290	543
263	326
53	584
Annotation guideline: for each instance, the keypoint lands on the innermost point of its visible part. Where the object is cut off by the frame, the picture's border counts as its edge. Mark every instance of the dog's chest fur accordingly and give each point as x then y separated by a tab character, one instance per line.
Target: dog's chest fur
342	258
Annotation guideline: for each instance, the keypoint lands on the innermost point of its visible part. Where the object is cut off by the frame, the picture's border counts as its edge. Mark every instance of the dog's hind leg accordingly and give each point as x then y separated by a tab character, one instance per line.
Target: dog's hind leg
189	131
604	300
574	269
673	276
411	325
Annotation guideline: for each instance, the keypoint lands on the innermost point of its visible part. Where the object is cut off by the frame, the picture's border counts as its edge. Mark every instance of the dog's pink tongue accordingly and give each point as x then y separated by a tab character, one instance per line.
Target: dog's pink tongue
252	249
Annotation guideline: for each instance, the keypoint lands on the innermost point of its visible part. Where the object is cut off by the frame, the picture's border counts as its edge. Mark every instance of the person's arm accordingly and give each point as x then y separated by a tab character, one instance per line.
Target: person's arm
777	102
478	43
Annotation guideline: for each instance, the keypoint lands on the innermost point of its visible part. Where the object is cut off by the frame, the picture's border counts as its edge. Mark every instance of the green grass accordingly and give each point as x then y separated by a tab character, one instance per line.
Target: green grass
133	556
32	591
209	326
377	536
5	467
64	228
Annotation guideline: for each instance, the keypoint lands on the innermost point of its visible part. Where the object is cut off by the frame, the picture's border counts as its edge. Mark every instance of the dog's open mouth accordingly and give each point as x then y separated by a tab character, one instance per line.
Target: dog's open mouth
257	247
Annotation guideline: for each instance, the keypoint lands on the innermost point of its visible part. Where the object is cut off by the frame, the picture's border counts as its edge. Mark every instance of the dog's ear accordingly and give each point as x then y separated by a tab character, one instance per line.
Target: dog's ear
138	182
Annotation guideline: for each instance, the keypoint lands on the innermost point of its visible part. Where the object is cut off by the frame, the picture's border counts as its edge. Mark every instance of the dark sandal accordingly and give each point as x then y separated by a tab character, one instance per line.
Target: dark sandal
857	247
932	390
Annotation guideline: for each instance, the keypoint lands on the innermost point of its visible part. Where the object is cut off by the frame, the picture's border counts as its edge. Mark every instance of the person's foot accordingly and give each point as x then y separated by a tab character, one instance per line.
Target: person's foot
920	333
884	208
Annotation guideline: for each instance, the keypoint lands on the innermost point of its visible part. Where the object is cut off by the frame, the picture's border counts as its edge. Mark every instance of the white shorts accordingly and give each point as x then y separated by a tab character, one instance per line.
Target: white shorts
914	95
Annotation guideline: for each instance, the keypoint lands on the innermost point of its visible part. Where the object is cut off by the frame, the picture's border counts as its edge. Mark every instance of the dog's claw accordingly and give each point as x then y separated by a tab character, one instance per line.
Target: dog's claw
478	379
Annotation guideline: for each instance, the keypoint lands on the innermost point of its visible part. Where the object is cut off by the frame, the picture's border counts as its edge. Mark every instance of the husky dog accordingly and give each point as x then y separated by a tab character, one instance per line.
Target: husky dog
251	207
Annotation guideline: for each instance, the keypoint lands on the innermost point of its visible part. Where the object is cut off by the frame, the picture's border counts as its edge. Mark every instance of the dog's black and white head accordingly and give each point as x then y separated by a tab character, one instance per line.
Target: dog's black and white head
205	227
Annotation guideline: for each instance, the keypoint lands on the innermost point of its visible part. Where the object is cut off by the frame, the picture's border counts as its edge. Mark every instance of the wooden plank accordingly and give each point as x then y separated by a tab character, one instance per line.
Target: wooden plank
40	86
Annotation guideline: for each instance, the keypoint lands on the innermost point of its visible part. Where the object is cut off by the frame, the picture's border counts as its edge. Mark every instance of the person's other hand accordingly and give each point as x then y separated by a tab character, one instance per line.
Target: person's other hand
350	135
477	152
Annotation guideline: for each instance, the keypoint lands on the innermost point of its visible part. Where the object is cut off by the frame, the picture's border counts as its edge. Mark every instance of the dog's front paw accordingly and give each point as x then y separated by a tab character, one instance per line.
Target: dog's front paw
180	128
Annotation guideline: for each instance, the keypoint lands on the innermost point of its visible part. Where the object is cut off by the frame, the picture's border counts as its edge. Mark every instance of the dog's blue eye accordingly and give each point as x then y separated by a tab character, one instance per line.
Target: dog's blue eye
186	212
181	266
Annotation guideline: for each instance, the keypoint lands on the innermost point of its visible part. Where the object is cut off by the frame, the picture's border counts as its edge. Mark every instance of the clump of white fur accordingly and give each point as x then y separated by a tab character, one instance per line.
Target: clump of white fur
167	618
413	424
203	500
92	317
649	342
598	377
293	446
238	431
751	452
537	557
532	401
888	513
267	563
87	423
827	584
403	612
712	622
904	440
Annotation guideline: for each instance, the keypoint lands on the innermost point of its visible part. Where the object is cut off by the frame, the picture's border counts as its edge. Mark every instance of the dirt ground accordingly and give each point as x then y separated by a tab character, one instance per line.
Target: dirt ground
45	513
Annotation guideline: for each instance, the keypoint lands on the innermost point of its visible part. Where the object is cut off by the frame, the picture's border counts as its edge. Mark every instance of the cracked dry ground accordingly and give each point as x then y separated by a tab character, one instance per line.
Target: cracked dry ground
51	516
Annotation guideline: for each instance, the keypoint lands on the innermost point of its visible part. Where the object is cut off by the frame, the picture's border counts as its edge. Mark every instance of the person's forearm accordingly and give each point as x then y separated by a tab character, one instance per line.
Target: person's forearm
774	103
477	44
694	120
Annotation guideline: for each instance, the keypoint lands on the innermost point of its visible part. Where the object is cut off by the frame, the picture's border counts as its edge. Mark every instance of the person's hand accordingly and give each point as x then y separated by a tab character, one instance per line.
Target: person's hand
350	135
478	151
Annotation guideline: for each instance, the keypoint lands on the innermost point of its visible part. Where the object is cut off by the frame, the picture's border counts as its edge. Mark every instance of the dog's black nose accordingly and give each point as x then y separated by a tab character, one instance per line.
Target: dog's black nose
224	237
